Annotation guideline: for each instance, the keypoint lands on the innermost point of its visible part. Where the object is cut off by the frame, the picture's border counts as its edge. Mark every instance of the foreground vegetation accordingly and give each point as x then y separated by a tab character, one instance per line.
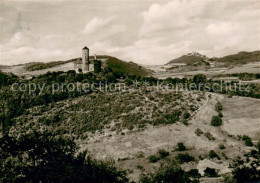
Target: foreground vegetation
42	157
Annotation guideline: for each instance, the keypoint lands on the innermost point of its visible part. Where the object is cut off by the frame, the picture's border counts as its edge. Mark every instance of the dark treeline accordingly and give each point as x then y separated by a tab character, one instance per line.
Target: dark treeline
41	157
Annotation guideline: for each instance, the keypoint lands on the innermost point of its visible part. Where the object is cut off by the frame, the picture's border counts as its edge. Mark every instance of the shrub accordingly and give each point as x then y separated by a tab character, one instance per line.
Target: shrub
163	153
216	121
224	155
186	115
220	115
210	172
153	159
140	154
140	167
199	78
213	154
184	158
221	146
248	140
209	136
181	147
198	132
218	107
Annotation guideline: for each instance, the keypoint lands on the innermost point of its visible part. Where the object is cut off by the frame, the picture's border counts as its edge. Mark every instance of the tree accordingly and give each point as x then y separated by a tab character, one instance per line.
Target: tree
218	107
41	157
248	140
184	158
210	172
216	121
213	154
163	153
200	78
153	159
181	147
186	115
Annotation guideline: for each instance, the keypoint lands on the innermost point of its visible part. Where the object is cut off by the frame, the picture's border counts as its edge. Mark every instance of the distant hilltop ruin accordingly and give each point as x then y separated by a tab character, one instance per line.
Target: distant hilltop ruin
85	64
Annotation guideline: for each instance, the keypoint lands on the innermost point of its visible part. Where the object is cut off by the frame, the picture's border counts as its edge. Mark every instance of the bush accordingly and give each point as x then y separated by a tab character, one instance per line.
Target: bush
181	147
198	132
210	172
218	107
220	115
140	167
213	154
209	136
184	158
163	153
153	159
248	140
199	78
221	146
216	121
186	115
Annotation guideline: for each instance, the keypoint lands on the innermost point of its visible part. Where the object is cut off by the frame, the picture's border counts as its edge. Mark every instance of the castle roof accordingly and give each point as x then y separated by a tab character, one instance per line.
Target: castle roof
85	48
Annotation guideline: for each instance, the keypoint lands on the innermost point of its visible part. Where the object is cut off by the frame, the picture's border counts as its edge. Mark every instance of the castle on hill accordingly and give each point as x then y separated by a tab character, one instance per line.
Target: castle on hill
85	64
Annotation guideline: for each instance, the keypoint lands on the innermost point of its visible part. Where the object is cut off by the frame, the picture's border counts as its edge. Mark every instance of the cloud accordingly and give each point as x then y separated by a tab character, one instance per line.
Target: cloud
170	16
2	19
31	54
209	27
97	24
222	28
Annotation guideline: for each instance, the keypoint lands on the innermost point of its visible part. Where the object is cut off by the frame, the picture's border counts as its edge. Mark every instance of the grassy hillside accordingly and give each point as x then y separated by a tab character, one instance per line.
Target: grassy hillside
34	66
187	59
129	68
239	58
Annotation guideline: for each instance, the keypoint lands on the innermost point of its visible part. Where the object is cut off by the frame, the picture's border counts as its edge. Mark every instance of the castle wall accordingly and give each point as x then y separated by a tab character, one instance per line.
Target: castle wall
91	67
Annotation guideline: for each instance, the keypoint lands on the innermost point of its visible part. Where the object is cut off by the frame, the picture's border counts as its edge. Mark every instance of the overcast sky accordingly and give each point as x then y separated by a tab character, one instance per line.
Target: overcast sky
143	31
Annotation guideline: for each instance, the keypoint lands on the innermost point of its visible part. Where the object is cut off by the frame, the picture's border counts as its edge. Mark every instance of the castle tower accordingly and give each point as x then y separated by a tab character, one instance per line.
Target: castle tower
85	59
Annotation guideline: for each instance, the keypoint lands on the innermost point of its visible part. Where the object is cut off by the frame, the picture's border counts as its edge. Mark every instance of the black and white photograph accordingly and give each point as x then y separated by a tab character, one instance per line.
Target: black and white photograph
129	91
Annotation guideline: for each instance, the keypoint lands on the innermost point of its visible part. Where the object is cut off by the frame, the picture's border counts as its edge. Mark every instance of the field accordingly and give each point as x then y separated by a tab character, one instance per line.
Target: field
242	116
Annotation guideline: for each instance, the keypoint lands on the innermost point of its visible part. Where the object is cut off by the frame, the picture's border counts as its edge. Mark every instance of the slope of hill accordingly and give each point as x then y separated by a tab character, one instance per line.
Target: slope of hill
34	66
189	59
129	68
242	57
